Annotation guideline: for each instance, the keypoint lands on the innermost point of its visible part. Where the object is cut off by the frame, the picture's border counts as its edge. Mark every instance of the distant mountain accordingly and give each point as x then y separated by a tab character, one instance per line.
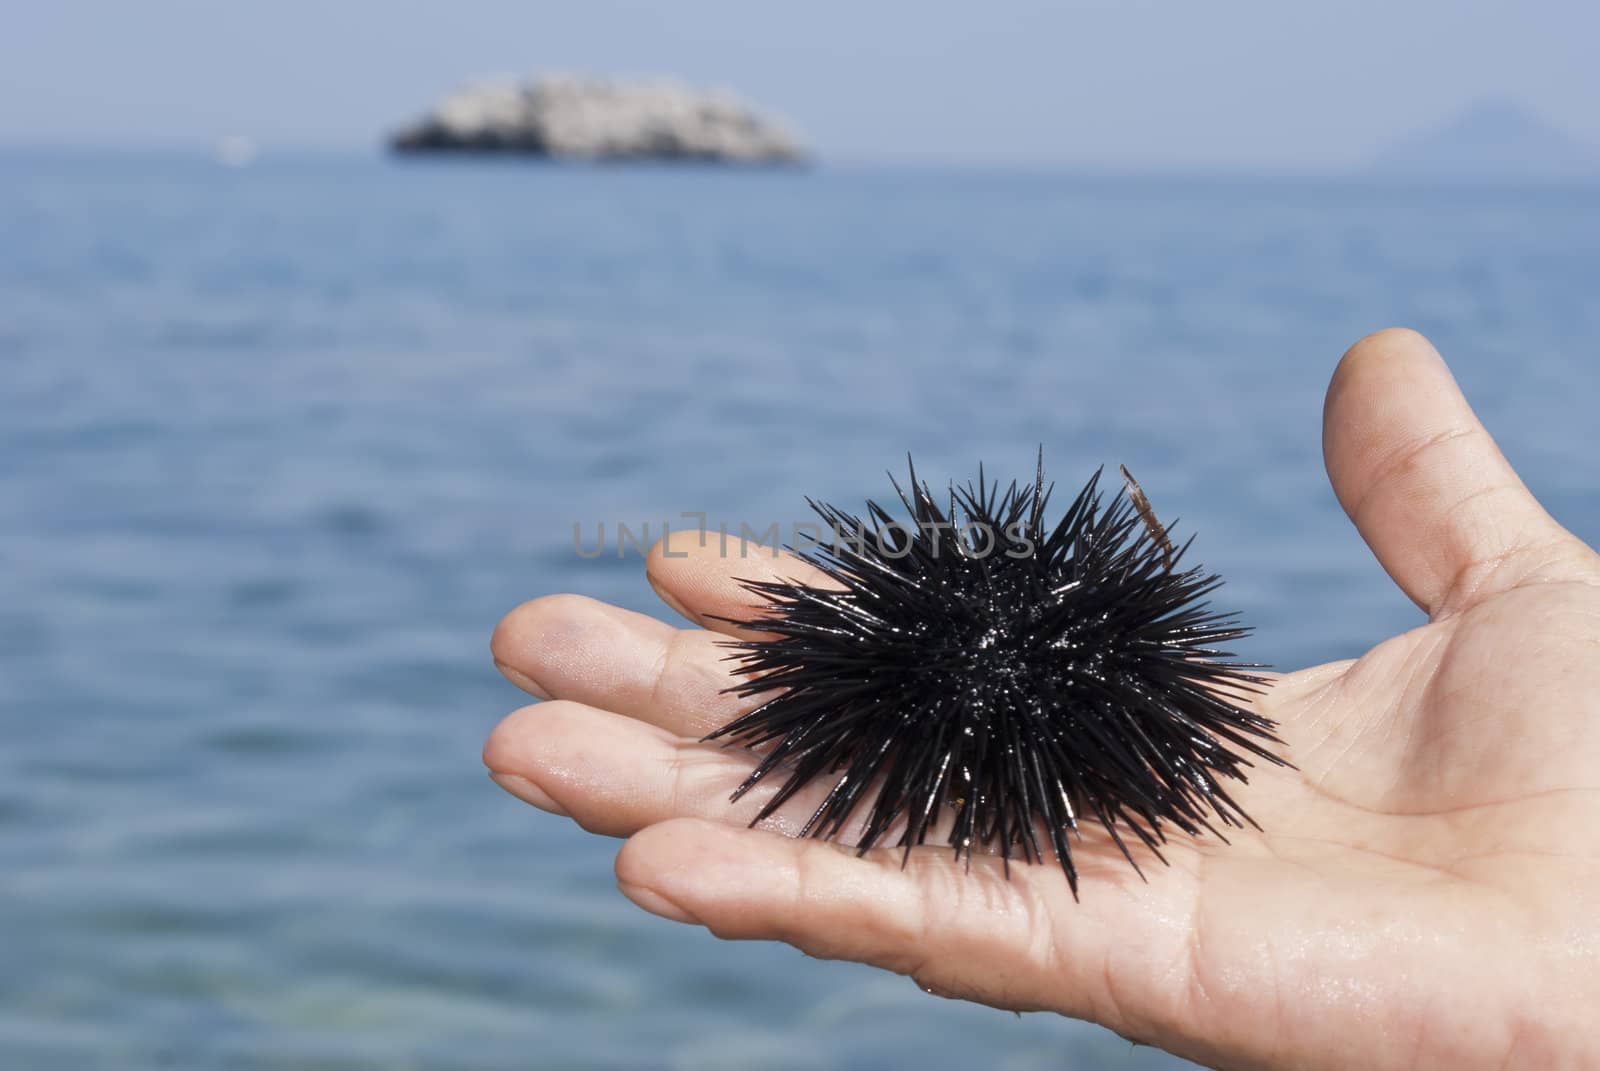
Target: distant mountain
1491	140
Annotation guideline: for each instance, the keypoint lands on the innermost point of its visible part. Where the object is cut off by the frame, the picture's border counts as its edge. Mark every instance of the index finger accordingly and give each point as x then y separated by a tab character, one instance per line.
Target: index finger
699	575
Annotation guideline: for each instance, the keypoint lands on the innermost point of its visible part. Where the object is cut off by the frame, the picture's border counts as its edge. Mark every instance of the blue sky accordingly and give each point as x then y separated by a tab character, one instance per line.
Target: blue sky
1280	85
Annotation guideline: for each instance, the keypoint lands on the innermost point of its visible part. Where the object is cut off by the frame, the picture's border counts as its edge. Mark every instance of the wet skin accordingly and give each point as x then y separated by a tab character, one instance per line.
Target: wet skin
1427	889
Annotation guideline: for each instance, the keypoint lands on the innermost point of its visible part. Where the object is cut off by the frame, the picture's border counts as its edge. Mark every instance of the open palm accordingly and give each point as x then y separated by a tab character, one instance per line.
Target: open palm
1427	889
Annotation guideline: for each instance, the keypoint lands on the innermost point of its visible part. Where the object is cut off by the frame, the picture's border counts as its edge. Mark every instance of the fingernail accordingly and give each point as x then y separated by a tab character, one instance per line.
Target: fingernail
667	598
657	904
522	680
528	792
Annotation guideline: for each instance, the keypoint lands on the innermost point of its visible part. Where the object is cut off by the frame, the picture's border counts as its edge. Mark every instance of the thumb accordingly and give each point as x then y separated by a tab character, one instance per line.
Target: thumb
1425	484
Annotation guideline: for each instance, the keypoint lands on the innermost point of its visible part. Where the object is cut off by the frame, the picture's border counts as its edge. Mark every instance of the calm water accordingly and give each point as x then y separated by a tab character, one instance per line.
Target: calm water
279	446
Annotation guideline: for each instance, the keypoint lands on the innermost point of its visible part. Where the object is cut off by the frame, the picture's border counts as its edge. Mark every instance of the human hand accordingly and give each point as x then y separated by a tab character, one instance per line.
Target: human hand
1426	890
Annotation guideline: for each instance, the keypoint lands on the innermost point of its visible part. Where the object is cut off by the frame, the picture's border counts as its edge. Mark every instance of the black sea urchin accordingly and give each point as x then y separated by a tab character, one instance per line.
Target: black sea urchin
1021	675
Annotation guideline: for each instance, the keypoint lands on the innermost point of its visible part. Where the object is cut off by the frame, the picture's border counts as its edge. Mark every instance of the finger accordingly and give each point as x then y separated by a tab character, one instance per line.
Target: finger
614	775
1424	483
572	647
1017	941
699	576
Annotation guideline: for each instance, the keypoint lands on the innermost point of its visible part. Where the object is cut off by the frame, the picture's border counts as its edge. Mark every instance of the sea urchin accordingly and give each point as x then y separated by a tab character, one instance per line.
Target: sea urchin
1020	675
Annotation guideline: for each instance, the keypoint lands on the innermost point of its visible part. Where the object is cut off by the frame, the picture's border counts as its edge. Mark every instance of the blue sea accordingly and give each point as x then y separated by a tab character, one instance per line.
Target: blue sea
279	445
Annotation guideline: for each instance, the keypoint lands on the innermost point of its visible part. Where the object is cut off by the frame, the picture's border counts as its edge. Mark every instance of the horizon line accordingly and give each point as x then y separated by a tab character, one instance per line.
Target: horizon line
1365	172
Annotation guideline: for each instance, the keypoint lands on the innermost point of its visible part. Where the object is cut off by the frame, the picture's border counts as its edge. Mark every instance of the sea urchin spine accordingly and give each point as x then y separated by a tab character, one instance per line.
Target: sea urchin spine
1020	675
